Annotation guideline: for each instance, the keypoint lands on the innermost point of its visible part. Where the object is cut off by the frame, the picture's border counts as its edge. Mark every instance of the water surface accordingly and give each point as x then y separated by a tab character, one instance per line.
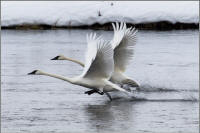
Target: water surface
165	65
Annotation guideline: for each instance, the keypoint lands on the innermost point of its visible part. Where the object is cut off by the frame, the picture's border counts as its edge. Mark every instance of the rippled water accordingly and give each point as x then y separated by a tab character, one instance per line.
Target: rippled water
165	65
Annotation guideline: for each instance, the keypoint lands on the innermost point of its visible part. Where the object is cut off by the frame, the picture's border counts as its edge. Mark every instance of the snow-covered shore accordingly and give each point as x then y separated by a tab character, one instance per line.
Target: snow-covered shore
90	13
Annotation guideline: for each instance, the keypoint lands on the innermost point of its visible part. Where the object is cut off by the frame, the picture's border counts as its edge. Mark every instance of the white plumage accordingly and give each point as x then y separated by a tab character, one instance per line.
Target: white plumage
123	43
98	69
99	58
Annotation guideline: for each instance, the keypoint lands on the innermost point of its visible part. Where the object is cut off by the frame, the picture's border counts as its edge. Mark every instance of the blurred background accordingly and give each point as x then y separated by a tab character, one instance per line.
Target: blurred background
161	15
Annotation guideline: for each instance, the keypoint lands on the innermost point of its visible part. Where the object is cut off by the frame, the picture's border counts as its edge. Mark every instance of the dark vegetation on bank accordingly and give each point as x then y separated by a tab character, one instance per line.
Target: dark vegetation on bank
163	25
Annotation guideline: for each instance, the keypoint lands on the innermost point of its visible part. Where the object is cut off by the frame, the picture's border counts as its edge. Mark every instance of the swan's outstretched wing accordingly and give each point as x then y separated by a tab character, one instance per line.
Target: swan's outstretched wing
99	58
119	32
124	50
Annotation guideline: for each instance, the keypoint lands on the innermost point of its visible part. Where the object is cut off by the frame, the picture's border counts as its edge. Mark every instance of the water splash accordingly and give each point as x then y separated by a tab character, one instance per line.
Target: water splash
157	95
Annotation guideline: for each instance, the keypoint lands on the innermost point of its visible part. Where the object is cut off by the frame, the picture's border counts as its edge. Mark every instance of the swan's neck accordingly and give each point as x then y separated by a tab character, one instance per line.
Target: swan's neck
71	80
75	61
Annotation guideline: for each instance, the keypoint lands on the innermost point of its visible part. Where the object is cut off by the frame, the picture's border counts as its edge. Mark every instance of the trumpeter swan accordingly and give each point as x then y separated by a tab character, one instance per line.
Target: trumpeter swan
97	71
123	44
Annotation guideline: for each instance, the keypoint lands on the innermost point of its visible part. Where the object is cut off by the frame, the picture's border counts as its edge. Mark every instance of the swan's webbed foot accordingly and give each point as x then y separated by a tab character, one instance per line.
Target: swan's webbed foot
94	91
91	92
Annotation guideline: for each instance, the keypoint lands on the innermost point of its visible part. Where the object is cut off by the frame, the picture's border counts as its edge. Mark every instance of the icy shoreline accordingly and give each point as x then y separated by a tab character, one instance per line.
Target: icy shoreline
143	26
156	15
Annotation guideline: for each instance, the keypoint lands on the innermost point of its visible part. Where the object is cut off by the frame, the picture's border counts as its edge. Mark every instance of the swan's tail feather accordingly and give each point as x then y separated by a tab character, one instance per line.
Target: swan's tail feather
114	86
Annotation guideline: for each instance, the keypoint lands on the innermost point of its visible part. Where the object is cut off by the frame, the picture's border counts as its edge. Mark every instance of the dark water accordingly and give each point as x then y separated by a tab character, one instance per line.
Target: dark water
165	65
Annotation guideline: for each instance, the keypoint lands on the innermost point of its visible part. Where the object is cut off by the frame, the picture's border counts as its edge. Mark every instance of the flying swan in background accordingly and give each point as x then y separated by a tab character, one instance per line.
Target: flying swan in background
98	68
123	45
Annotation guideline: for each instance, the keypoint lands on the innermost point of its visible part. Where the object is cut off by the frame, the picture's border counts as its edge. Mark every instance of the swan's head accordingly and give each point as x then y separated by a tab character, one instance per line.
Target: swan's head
59	57
35	72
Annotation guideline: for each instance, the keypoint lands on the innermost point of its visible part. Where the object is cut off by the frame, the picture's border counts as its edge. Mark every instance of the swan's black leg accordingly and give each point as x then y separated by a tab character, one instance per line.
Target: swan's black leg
94	91
101	93
108	95
91	92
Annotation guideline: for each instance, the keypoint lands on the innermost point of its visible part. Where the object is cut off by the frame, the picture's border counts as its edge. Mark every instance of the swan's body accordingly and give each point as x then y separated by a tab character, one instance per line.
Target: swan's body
102	85
123	42
98	68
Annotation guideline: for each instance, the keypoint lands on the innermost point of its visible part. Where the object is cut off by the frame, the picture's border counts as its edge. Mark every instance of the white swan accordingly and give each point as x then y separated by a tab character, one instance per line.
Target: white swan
123	44
97	71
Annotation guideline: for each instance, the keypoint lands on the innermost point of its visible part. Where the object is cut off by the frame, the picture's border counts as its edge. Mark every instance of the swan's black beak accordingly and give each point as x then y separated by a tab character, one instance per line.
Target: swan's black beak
33	72
55	58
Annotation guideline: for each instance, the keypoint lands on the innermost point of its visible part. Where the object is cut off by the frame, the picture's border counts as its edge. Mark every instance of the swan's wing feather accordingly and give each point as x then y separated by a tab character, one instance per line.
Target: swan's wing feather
99	58
124	52
119	32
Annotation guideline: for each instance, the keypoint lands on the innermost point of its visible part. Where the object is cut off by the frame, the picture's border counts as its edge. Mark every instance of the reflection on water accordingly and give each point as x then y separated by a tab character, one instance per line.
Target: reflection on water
100	116
165	65
111	115
128	116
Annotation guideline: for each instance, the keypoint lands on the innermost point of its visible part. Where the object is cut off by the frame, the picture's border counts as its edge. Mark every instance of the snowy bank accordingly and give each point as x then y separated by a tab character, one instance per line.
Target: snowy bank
143	14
